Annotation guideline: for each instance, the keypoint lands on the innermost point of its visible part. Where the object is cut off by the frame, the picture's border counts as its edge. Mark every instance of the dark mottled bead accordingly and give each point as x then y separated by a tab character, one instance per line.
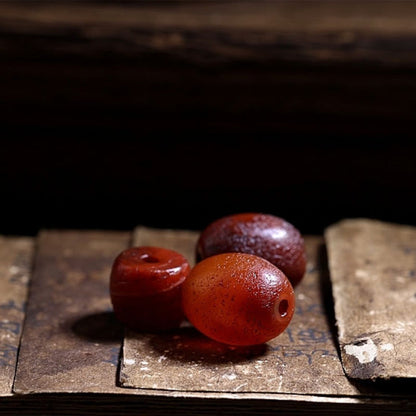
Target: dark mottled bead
264	235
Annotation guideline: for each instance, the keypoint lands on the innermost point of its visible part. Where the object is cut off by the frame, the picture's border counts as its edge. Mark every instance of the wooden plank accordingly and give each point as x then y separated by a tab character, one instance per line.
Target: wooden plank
16	255
373	273
303	360
216	30
250	66
70	341
160	405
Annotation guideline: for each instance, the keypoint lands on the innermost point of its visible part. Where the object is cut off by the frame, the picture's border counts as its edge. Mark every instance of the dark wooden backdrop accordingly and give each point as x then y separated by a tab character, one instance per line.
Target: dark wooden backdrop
173	113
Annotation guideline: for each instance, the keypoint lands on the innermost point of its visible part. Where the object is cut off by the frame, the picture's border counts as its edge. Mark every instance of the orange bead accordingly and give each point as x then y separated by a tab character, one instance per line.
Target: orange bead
145	288
264	235
238	299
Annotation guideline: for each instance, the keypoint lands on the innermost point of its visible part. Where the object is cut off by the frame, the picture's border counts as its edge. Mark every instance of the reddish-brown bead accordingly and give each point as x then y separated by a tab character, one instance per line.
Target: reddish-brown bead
264	235
145	288
238	299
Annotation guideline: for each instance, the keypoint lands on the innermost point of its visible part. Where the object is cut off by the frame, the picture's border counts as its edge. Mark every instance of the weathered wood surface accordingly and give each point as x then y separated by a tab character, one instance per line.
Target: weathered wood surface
70	341
303	360
373	273
16	254
294	66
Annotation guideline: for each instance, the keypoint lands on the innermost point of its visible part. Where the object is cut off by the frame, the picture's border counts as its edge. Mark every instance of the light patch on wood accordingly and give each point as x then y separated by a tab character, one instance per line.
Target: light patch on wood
373	274
364	351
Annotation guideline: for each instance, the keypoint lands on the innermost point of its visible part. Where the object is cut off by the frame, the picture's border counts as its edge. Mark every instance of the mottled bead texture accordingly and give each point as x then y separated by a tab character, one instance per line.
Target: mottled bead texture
264	235
238	299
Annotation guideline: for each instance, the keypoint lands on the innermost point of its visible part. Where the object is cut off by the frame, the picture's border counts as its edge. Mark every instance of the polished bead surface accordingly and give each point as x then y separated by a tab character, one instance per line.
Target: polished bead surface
238	299
145	288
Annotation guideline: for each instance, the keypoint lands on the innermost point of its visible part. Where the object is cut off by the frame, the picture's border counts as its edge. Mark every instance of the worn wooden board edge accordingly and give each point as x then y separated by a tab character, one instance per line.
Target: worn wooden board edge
372	269
107	404
149	401
16	256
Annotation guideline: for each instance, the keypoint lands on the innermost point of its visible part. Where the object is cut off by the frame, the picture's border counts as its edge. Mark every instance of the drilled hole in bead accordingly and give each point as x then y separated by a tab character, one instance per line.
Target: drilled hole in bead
283	308
149	259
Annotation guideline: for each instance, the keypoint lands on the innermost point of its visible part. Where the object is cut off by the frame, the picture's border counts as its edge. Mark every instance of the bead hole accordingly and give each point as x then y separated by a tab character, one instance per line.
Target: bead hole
149	259
283	308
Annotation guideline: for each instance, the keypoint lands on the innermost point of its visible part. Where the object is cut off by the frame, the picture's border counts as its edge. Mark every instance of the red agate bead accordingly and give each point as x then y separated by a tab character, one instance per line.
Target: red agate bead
145	288
264	235
238	299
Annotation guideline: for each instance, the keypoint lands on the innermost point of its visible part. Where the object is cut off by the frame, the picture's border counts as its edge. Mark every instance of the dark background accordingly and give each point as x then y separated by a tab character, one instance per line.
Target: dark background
54	180
109	132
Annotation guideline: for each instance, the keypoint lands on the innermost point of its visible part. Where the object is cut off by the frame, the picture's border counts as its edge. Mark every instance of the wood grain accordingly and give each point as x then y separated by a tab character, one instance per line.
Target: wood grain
168	67
16	255
317	31
70	340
